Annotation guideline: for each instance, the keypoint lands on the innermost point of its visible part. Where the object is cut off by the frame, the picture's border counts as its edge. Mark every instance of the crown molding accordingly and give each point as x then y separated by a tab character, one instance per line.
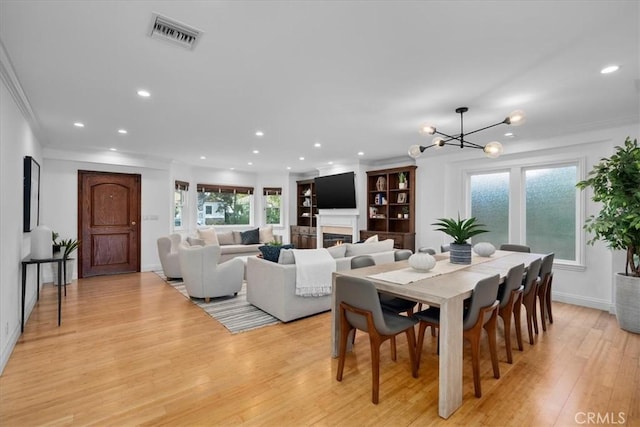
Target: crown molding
12	83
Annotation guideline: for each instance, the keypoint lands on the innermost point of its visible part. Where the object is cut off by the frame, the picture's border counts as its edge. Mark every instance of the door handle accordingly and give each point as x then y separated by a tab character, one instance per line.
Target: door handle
133	223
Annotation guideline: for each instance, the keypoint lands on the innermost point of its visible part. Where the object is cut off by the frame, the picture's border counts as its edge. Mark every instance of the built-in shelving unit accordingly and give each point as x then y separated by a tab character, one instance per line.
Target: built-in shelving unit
391	205
303	235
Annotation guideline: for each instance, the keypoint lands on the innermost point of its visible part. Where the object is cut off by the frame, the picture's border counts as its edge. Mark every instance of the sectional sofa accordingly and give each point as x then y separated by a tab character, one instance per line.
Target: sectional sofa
271	285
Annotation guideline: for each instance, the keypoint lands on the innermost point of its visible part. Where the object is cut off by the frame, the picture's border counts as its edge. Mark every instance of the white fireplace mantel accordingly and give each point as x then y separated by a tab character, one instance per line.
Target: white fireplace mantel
328	220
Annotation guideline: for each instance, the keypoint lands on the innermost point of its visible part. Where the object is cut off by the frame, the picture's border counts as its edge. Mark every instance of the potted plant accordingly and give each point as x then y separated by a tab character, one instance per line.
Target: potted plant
461	230
67	246
402	180
405	212
615	182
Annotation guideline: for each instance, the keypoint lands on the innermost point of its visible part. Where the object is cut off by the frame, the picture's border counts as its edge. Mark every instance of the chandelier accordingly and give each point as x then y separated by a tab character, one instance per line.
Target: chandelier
492	149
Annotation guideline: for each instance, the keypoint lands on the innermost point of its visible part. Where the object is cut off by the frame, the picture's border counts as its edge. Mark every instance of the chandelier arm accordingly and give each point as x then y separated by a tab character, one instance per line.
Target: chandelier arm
485	128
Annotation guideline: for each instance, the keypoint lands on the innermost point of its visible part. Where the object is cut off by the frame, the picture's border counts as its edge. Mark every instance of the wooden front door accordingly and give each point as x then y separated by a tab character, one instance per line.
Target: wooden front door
108	223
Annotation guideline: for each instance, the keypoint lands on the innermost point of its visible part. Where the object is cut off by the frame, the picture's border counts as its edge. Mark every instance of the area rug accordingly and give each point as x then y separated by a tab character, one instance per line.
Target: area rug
234	312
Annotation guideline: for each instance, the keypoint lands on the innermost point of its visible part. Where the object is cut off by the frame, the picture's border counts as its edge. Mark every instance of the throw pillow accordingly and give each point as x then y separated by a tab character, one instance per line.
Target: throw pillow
337	251
209	236
272	252
226	238
369	248
266	234
250	237
286	257
373	238
237	239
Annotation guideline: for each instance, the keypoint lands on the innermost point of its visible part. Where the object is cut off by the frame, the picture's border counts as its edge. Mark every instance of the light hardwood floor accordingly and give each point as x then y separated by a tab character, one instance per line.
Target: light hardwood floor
133	351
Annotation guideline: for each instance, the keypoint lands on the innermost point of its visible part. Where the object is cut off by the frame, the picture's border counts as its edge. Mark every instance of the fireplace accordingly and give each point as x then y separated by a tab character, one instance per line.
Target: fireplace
343	223
333	239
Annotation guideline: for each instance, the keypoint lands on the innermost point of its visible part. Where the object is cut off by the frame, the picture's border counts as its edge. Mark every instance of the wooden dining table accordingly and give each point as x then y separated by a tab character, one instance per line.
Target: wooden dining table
446	286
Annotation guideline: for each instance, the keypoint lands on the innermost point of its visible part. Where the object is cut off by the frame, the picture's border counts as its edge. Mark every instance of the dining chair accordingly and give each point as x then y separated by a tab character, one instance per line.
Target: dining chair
445	248
545	277
515	248
427	250
509	297
359	308
361	261
528	297
482	313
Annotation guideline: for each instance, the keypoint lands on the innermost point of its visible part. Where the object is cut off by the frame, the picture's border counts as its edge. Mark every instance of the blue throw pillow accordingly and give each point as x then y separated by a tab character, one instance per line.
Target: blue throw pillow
272	253
250	237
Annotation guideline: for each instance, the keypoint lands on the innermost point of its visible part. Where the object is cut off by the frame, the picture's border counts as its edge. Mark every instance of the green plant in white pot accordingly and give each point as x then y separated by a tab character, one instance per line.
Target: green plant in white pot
68	246
461	230
615	182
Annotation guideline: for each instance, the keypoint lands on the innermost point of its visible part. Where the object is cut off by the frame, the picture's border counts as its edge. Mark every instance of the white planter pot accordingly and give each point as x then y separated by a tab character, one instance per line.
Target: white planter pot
627	289
70	266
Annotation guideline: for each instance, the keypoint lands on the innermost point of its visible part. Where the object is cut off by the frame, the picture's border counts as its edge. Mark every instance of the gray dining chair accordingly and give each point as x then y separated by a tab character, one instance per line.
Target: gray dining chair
359	308
361	261
515	248
509	297
445	248
545	278
427	250
481	313
396	304
528	298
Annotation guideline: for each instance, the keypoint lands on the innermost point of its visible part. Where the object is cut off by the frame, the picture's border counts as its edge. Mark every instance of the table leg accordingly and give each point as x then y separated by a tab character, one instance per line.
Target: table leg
450	335
60	267
64	263
24	291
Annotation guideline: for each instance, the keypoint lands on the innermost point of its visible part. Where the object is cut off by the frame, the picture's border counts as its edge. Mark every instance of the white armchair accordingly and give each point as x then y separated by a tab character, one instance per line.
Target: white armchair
204	277
168	254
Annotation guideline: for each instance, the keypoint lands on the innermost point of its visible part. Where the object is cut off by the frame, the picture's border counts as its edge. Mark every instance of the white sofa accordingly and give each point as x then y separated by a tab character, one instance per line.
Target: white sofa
271	286
230	243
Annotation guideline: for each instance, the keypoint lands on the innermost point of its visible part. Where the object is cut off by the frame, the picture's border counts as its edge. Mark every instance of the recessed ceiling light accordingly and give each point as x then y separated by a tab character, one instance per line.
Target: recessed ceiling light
250	163
360	153
330	163
301	158
232	169
144	93
259	133
509	134
122	131
255	151
78	125
317	145
113	149
610	69
203	158
288	168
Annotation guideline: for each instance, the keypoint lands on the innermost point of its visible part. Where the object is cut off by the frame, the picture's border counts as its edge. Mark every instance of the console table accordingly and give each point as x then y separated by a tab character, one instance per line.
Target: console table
62	272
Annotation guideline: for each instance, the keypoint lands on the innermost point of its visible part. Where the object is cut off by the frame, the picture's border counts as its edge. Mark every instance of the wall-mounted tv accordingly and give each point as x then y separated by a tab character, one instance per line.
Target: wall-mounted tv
336	191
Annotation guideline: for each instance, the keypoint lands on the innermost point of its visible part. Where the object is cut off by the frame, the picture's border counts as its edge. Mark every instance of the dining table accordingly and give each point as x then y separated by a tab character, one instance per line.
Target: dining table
446	285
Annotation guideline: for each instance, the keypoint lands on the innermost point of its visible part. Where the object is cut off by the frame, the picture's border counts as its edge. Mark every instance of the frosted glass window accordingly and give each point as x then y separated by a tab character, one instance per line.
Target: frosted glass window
550	195
490	205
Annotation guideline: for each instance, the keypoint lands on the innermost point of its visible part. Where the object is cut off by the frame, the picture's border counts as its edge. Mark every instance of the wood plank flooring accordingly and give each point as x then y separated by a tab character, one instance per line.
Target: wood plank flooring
133	351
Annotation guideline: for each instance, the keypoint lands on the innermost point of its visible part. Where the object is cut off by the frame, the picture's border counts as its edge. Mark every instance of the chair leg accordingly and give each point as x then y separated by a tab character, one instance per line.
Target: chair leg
548	298
506	321
375	369
490	327
420	341
542	291
344	334
475	363
393	349
529	324
517	319
411	341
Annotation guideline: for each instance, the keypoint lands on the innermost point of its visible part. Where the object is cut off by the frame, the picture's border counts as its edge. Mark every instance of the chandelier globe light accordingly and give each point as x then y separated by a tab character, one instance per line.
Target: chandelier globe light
492	149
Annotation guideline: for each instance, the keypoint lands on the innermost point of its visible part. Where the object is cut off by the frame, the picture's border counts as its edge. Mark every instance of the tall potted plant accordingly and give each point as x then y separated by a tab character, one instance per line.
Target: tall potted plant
461	230
615	182
67	246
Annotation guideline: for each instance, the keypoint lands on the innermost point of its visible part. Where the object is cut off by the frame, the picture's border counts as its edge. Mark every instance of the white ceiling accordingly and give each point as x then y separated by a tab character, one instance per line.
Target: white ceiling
351	75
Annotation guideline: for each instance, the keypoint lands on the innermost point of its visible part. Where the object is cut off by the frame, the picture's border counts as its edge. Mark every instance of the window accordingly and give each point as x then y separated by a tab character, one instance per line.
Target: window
179	203
490	205
224	205
272	205
551	206
536	205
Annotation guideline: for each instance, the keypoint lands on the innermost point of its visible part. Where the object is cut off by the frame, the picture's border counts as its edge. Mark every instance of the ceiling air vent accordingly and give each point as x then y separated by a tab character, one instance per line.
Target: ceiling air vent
164	28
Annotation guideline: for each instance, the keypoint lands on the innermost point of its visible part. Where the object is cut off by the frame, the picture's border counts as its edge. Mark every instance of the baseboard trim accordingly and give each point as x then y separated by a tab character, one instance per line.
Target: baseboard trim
596	303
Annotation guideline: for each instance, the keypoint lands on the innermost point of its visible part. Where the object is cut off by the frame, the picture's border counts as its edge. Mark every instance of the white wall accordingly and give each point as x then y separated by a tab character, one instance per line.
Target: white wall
16	141
441	194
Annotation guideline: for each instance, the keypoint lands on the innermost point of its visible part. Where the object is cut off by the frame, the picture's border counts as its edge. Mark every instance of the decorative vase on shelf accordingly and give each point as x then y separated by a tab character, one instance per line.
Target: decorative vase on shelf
381	183
402	185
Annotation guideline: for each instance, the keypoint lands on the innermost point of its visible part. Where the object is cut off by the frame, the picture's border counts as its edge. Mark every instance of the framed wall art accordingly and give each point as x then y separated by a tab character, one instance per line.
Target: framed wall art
31	213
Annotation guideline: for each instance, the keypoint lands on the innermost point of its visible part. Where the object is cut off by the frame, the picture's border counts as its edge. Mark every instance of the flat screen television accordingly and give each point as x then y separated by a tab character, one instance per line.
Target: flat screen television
336	191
